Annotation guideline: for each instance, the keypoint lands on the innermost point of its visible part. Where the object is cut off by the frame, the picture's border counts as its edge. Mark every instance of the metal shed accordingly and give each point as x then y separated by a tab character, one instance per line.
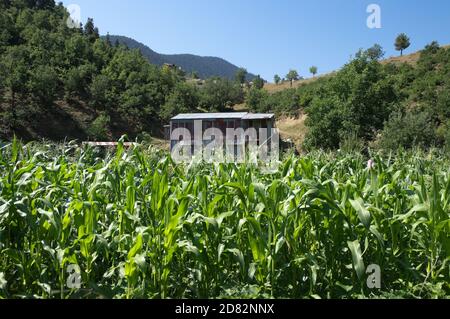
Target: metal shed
221	121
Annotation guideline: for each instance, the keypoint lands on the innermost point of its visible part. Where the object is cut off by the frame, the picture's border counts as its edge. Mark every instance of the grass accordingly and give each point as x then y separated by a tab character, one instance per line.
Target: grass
293	128
138	226
411	58
273	88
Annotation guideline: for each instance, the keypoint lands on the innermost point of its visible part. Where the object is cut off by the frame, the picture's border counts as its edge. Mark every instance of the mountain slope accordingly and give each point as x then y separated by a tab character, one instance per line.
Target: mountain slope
206	67
410	58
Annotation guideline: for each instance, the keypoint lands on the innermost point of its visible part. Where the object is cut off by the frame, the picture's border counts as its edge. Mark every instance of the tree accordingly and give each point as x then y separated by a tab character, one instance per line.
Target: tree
98	129
313	70
241	75
356	102
15	66
219	94
432	48
255	100
99	89
43	84
375	52
108	39
407	130
292	76
183	99
90	30
276	79
194	75
402	43
77	80
258	82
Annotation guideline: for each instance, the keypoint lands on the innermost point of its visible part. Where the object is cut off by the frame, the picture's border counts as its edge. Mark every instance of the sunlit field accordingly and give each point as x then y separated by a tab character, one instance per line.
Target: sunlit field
79	223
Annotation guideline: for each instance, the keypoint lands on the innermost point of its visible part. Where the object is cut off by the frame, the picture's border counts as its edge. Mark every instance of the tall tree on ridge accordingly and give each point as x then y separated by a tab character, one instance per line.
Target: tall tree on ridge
292	76
276	79
313	70
241	75
402	42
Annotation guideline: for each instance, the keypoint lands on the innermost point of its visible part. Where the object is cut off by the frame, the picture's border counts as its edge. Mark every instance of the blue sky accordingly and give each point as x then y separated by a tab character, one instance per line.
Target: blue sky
271	36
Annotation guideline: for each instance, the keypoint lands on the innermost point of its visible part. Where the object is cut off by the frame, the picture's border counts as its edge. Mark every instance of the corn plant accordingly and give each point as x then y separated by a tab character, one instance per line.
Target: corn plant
136	225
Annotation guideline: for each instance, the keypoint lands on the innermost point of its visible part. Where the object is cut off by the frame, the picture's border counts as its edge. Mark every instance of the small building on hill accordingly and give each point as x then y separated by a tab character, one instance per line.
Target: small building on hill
262	123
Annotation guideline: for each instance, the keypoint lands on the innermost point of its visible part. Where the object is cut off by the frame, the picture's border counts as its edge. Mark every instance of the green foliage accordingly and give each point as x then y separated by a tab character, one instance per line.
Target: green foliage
219	94
408	130
138	226
256	99
45	65
292	76
98	129
90	30
241	75
357	100
100	91
446	135
351	143
285	102
183	99
365	96
78	80
402	42
313	70
258	82
44	84
195	75
375	52
277	79
423	119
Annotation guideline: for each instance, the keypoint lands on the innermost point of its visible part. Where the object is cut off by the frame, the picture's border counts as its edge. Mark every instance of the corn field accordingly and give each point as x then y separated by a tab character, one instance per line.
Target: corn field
132	224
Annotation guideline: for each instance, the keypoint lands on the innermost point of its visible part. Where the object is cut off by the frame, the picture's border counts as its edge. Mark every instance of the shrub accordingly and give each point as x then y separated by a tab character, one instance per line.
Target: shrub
351	143
256	99
408	130
98	130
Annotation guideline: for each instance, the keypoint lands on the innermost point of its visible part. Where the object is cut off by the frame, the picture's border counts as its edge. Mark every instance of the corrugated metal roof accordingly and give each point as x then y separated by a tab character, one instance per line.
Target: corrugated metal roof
208	116
211	116
258	116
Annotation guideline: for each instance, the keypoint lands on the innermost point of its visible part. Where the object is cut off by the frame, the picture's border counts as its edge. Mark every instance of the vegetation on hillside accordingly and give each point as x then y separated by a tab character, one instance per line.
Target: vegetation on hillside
385	104
58	82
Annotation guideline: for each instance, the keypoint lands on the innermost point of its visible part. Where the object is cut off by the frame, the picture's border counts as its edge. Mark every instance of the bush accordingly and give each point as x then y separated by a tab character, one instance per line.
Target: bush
183	99
408	130
358	99
219	95
98	130
256	99
446	136
351	143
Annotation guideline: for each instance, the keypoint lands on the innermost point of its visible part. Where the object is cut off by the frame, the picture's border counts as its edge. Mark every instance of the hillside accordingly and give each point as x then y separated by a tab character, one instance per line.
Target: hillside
205	67
293	127
62	83
273	88
400	101
411	59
